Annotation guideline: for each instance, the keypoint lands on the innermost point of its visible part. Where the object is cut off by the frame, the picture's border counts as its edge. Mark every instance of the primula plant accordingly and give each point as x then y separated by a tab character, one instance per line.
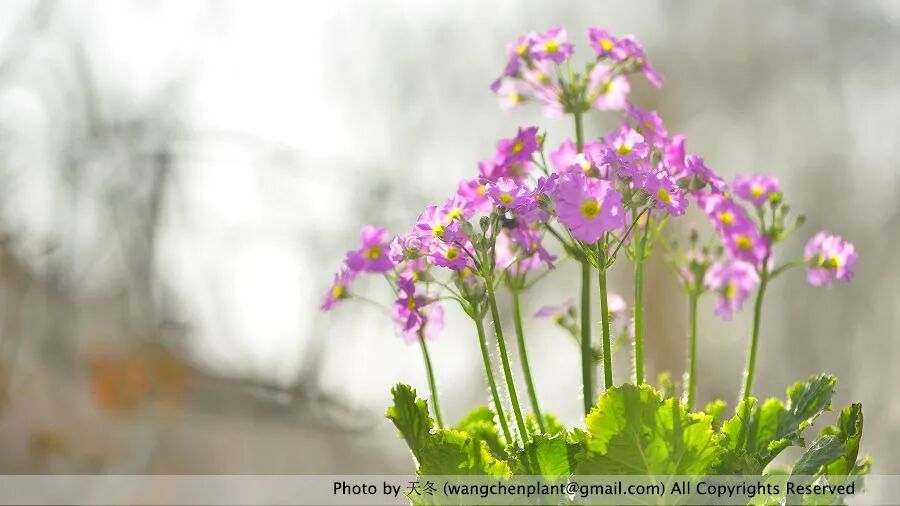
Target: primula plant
603	202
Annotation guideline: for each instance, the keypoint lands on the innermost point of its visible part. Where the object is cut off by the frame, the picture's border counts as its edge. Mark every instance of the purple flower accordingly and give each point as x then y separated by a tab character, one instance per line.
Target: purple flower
457	208
519	148
611	91
726	215
695	167
405	247
414	313
629	48
516	52
666	193
649	124
627	146
602	42
551	45
449	255
507	194
339	289
521	249
511	93
373	255
744	242
829	257
733	282
566	155
433	226
755	189
474	192
556	312
588	207
673	156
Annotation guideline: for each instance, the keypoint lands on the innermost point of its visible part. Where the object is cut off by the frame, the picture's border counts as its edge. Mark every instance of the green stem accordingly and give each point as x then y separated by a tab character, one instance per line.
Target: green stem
692	360
431	383
587	359
526	368
754	339
604	327
504	360
489	372
639	310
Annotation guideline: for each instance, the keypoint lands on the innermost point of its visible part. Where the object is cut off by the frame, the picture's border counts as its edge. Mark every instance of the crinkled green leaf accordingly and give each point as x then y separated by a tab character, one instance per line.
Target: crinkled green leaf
442	451
552	424
632	430
716	409
452	452
544	455
410	416
481	423
756	435
822	452
849	431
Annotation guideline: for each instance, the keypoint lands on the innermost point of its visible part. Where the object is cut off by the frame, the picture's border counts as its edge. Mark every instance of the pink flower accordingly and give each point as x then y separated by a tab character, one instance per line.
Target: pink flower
339	289
588	207
511	93
627	146
829	258
405	247
756	189
474	192
521	147
506	193
602	42
733	282
649	124
433	225
414	313
665	193
556	312
551	45
694	167
745	243
611	91
516	53
373	255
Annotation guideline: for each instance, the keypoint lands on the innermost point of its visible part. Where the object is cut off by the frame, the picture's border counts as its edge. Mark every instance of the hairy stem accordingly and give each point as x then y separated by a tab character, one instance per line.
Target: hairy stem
604	328
489	372
691	384
754	338
431	384
526	368
504	360
587	360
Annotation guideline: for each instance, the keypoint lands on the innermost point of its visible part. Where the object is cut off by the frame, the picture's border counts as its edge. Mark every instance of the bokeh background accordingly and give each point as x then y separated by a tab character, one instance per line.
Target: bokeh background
179	179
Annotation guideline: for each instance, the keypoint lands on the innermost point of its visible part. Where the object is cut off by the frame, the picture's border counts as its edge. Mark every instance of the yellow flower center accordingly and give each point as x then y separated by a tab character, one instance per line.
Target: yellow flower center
415	276
337	291
664	196
832	262
454	214
438	231
743	242
727	218
506	198
522	49
731	290
518	147
756	191
606	44
466	272
606	87
411	304
623	150
451	254
590	209
481	190
374	253
515	98
551	46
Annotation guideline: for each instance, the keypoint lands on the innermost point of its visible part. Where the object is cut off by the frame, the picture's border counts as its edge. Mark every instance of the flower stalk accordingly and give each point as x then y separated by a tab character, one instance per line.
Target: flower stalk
604	323
492	384
691	388
436	407
640	244
504	360
587	362
523	356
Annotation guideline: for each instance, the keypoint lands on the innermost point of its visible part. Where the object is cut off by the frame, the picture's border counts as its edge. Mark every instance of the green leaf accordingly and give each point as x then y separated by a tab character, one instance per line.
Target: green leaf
544	455
632	430
822	452
756	435
553	425
716	409
849	431
481	424
442	451
452	452
410	416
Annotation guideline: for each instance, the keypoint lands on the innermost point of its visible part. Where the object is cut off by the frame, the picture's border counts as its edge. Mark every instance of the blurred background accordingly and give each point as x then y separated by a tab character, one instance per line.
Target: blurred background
179	180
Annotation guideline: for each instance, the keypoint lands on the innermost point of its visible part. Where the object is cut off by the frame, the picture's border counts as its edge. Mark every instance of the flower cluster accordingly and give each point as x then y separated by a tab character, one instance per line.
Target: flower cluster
528	207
